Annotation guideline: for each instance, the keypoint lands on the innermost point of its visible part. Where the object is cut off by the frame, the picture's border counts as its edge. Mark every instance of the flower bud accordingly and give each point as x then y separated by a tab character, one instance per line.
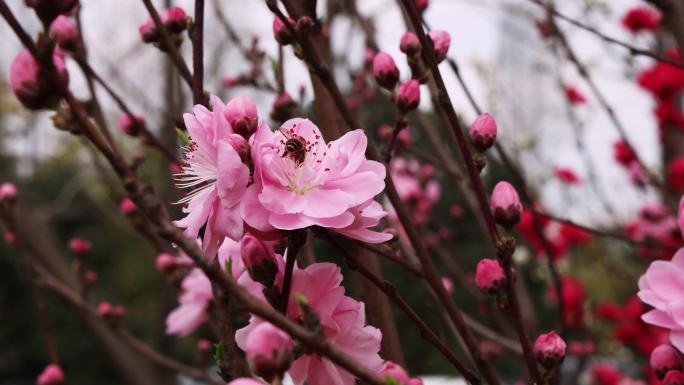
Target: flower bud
441	40
448	285
489	276
368	56
574	96
48	10
385	71
268	351
10	237
51	375
549	349
79	245
175	19
131	124
421	5
506	205
104	308
127	206
241	113
281	32
165	262
148	31
665	358
90	277
259	259
483	132
409	44
674	377
34	86
65	33
393	373
8	192
204	345
245	381
408	95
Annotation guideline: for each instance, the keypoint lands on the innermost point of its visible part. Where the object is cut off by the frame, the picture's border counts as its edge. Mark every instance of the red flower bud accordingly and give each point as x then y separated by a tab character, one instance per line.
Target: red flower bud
483	132
385	71
549	349
665	358
506	206
408	95
409	44
489	276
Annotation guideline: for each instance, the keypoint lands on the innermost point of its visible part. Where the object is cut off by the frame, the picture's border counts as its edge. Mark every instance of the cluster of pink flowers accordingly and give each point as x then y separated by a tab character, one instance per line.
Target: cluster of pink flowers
283	180
654	223
416	186
641	19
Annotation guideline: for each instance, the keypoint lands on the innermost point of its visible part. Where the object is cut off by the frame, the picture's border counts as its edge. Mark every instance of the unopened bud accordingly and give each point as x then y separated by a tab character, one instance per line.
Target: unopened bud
489	276
483	132
241	113
385	71
505	204
549	350
408	95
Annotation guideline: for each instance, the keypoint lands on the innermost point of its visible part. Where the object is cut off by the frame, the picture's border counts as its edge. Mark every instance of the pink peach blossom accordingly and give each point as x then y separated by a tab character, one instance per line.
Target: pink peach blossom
196	293
342	321
330	185
215	172
51	375
661	287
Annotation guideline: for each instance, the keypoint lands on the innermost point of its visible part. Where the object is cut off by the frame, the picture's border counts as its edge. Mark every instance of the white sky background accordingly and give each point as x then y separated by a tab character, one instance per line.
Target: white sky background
502	68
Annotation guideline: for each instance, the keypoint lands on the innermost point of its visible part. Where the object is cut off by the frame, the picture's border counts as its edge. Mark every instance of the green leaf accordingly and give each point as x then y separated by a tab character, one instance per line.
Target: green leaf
183	135
218	353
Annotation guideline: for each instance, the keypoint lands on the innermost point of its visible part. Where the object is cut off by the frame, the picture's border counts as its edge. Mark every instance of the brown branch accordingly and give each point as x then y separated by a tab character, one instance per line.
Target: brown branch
444	103
433	278
197	35
169	46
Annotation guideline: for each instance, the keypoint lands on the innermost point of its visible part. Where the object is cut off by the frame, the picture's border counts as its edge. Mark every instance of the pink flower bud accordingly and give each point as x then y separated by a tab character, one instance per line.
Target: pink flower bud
665	358
408	95
119	311
421	5
674	377
127	206
393	371
506	205
51	375
448	285
281	32
441	40
230	81
549	349
90	277
34	86
385	71
483	132
131	124
165	262
409	44
48	10
10	237
79	245
8	192
259	259
241	113
268	351
489	276
65	32
574	96
148	31
245	381
104	308
175	19
204	345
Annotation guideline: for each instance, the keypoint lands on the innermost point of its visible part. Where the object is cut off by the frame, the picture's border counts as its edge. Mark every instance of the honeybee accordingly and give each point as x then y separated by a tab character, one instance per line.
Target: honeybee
295	146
